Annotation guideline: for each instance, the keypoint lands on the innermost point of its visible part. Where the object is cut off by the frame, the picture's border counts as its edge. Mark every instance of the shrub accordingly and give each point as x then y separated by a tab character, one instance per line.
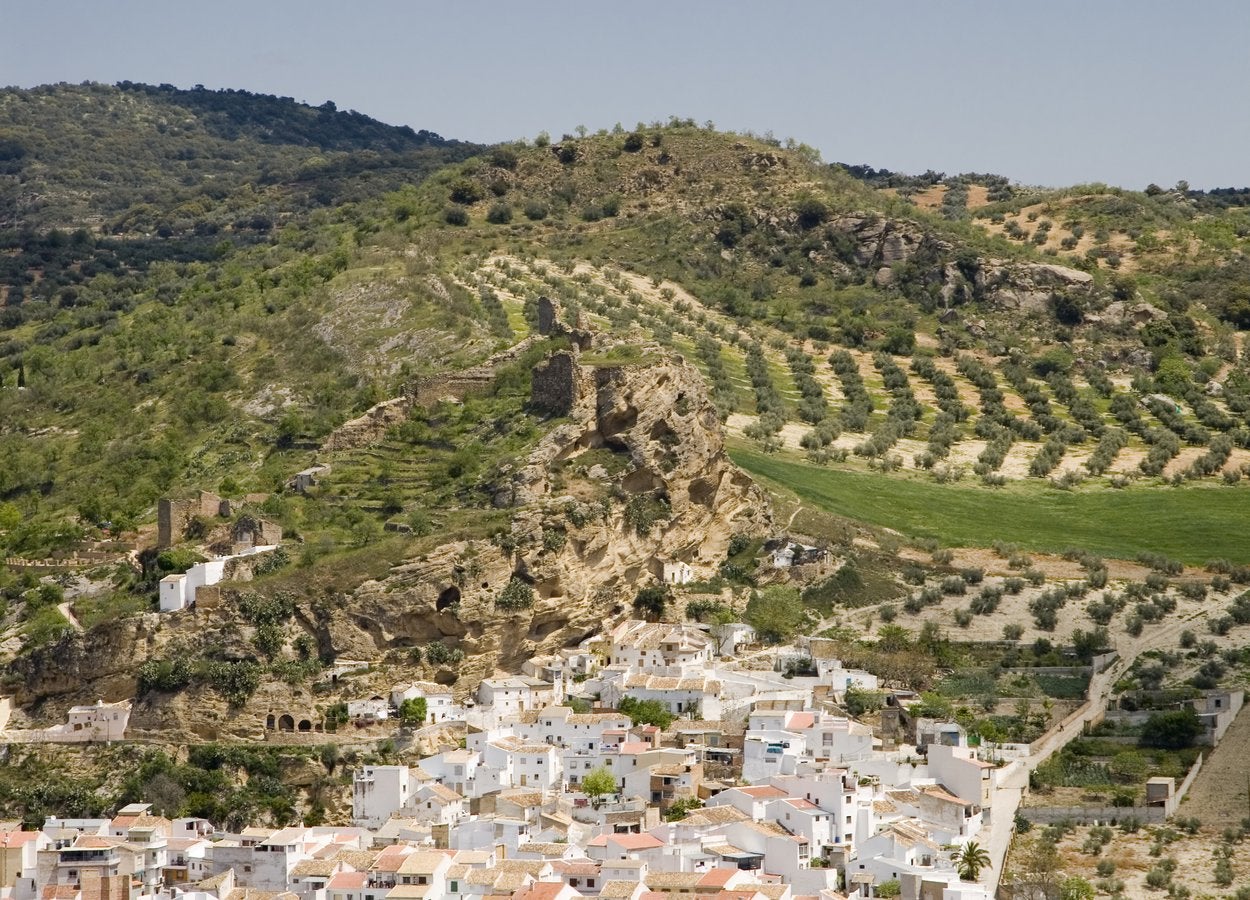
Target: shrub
1171	730
455	215
535	211
164	675
651	601
517	594
499	214
439	654
465	191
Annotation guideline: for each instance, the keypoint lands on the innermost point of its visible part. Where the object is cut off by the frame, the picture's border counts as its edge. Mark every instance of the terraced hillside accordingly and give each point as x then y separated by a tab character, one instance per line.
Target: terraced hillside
968	415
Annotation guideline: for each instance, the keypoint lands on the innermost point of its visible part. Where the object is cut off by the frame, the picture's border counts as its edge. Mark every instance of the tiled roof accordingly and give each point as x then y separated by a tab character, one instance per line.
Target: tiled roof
714	815
348	881
763	792
618	890
323	868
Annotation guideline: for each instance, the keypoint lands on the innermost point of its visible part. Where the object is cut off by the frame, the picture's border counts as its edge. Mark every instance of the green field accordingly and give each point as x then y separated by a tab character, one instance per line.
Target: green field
1193	523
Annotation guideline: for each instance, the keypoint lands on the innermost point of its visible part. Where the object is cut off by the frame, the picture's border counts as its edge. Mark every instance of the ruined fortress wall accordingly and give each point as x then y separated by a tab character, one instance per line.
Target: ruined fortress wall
556	384
457	385
172	518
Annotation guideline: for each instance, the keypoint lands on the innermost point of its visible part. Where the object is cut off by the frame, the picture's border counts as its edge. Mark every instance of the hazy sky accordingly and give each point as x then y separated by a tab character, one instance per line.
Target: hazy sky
1043	91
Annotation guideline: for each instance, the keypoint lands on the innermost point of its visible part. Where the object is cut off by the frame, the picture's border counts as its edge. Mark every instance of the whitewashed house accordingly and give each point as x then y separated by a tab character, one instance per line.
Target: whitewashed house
678	573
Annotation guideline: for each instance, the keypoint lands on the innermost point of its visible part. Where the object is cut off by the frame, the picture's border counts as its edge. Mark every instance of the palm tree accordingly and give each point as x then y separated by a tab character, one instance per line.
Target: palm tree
970	859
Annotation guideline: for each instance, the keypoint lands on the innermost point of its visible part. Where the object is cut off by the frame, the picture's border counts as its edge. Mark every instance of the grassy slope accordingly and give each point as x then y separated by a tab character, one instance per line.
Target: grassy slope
1192	525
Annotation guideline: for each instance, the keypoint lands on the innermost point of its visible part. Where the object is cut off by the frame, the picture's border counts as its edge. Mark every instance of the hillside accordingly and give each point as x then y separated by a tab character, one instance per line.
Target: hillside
899	375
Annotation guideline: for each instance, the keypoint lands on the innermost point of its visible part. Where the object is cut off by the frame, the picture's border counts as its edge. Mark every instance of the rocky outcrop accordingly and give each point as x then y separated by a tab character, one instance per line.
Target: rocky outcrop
883	242
369	428
583	552
1029	287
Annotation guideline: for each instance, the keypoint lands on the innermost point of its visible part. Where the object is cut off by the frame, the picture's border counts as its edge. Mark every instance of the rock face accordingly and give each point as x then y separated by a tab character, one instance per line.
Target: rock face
370	427
581	539
883	242
1028	287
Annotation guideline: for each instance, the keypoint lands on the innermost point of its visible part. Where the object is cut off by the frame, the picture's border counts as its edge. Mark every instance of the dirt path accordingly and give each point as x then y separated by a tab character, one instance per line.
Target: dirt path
1220	795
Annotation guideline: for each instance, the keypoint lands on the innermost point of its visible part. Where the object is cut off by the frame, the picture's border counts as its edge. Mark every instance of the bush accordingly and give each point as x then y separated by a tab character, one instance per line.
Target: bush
465	192
1171	730
439	654
535	211
633	143
651	601
517	594
455	215
646	712
499	214
166	675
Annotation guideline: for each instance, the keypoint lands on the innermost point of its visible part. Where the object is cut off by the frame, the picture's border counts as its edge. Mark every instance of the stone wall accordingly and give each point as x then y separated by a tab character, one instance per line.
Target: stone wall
452	385
548	315
256	531
172	517
555	385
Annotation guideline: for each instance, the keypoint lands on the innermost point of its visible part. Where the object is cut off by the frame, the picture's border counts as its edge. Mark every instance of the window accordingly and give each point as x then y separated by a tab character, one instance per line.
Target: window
590	882
455	887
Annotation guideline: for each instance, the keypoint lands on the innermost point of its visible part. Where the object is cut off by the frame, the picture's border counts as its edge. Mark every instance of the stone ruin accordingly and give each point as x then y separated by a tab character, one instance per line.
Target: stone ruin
175	517
560	382
556	383
549	324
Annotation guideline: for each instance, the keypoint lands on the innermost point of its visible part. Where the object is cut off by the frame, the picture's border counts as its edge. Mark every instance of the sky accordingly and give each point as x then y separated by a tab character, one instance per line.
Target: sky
1047	92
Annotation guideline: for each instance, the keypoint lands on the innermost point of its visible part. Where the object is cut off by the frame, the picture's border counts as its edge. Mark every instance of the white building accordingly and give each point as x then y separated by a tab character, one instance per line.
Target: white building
380	792
649	647
678	573
517	694
769	753
695	696
178	591
440	703
99	722
374	709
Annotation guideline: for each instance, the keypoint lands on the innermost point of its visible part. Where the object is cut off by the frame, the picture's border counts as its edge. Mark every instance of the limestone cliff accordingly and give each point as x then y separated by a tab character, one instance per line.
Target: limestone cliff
638	476
635	477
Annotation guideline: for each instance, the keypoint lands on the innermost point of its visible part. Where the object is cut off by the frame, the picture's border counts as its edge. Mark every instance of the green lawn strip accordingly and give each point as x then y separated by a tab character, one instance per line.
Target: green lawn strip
1193	524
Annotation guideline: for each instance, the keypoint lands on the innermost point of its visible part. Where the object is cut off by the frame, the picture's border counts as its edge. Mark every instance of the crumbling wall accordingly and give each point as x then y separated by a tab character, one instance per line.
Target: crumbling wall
555	385
454	385
549	324
548	315
172	518
256	531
